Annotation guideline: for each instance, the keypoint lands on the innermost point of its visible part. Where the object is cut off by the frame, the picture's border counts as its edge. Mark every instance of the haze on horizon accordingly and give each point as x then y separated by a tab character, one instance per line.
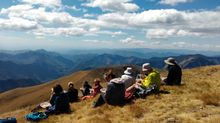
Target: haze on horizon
95	24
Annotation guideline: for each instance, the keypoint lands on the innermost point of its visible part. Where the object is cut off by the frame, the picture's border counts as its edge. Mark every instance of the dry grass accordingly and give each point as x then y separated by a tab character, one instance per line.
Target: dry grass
196	101
210	98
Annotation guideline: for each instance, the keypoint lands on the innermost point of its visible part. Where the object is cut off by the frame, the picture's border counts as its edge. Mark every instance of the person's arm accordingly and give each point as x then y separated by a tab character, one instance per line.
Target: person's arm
52	99
89	86
56	103
170	75
108	91
149	80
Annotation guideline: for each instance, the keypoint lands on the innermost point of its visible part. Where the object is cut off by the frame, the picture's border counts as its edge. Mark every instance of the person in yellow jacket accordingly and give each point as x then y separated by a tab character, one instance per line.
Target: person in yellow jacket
148	83
151	77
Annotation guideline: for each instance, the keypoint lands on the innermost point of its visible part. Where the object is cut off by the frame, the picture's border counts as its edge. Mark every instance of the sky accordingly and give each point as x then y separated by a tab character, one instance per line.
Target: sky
94	24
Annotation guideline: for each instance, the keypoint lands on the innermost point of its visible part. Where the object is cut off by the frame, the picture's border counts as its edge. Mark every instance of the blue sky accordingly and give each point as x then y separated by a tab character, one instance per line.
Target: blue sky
91	24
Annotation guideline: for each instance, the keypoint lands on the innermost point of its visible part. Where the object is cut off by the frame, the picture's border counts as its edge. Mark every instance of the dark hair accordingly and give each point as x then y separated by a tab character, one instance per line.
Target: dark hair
97	81
57	89
86	83
109	75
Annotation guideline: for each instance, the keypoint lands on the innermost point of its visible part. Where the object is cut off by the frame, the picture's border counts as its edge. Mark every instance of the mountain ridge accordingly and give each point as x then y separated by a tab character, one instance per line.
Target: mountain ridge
42	65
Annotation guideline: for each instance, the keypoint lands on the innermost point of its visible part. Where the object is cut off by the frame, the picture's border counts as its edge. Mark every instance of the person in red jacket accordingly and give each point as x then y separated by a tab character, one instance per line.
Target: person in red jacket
95	90
97	87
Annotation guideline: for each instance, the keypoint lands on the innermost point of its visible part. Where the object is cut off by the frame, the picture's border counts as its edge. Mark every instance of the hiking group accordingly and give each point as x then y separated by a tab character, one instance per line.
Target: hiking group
119	90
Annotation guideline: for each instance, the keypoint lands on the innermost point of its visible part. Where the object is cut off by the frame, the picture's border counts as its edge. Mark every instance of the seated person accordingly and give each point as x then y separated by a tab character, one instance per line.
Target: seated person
127	77
86	89
72	93
114	94
109	75
97	87
59	101
95	90
150	82
174	72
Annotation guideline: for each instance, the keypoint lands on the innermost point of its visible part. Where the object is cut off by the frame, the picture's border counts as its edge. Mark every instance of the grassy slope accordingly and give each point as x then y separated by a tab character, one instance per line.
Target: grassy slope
197	100
22	97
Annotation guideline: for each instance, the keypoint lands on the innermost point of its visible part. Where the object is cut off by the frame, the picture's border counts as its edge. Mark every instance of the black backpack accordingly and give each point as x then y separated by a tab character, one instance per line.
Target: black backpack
8	120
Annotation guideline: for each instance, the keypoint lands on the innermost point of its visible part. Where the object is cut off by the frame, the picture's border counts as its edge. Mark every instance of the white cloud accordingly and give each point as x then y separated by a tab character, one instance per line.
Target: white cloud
16	9
113	5
96	41
162	23
118	33
173	2
155	43
15	23
179	44
112	34
49	3
51	18
170	22
74	8
145	18
131	40
165	33
40	15
94	29
73	31
89	15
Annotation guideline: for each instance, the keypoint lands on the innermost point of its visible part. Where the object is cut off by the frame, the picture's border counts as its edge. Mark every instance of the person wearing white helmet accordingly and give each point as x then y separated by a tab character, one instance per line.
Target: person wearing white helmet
127	77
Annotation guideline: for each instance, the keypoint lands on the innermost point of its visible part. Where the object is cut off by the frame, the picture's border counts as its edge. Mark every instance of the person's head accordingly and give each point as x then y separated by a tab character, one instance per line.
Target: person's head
97	81
170	61
70	84
57	89
128	71
86	83
146	68
109	75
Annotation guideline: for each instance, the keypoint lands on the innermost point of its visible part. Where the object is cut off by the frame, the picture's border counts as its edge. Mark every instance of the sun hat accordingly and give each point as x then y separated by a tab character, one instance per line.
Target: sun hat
45	104
70	83
170	61
128	71
146	67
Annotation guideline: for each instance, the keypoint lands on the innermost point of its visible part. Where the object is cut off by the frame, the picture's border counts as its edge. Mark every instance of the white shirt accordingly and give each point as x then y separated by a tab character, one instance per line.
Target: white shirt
128	80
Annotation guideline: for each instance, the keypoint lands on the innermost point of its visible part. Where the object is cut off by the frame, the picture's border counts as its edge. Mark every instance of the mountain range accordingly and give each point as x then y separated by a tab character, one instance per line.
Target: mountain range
27	68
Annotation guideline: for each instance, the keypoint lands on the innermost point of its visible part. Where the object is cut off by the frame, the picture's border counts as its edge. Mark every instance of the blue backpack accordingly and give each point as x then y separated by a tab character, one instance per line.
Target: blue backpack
36	116
8	120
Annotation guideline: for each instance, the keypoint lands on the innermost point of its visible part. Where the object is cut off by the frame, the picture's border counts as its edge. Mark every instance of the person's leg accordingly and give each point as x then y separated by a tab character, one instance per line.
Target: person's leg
36	108
100	101
131	88
163	80
50	110
83	92
140	92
